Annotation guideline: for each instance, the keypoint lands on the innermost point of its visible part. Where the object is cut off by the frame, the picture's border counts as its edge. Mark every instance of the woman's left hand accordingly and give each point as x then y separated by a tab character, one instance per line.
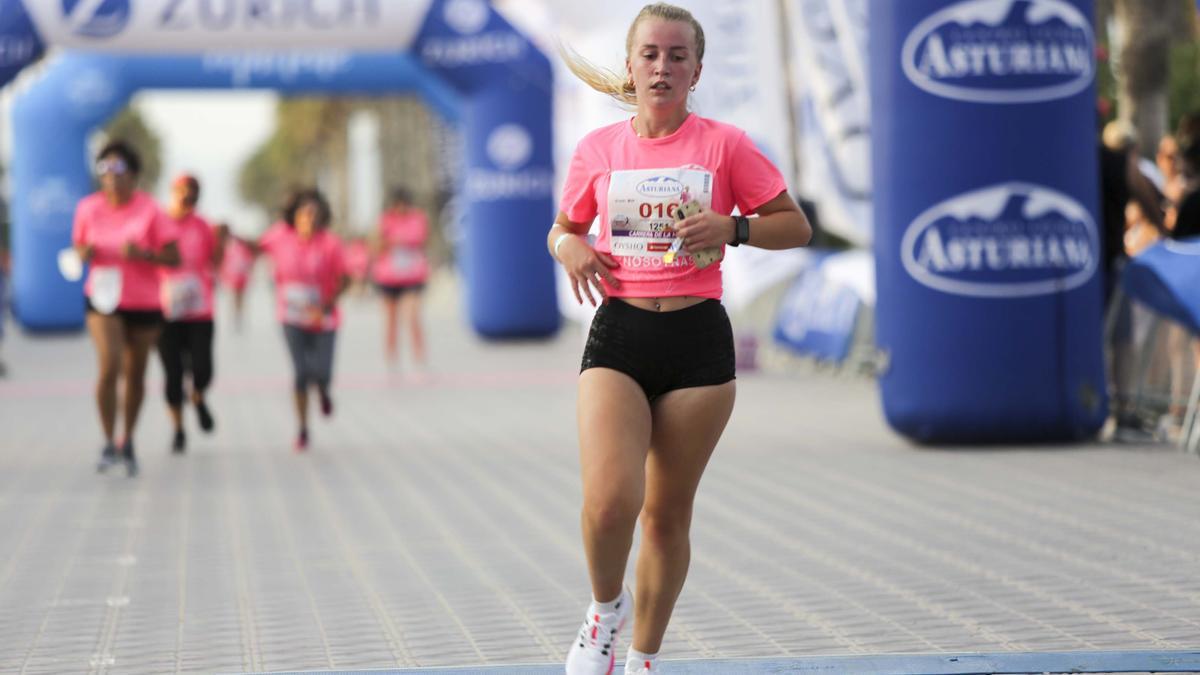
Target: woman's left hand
131	252
316	315
707	229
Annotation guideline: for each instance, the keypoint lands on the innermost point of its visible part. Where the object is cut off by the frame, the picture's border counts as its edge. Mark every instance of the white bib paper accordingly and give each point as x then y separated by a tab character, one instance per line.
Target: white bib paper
70	265
299	302
106	289
641	209
403	259
183	295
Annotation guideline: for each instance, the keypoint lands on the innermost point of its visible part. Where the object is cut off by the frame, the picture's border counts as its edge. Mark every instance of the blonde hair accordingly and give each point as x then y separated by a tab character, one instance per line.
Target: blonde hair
611	83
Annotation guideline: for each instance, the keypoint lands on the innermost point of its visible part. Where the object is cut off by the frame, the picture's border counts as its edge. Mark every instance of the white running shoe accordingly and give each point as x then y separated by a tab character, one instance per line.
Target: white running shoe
594	651
638	666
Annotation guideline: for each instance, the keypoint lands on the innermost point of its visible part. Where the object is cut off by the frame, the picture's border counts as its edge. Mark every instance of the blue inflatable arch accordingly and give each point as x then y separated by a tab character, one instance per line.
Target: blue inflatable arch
465	60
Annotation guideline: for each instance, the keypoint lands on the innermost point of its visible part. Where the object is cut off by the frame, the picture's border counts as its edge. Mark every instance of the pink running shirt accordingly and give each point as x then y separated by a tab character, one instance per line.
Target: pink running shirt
403	260
187	290
307	272
236	264
717	163
358	259
108	228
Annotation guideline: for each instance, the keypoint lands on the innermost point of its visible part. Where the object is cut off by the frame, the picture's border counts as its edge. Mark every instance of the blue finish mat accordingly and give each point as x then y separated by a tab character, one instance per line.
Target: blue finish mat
1182	661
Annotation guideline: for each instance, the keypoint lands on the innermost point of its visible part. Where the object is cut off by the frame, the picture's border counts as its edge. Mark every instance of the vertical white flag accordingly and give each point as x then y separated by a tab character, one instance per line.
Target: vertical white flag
829	69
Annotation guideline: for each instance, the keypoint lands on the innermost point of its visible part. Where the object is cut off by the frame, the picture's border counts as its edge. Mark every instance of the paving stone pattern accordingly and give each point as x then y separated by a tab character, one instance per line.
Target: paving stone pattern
435	522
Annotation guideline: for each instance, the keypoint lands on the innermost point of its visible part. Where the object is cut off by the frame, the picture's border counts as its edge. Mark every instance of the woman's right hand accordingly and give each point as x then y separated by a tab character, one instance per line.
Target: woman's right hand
586	267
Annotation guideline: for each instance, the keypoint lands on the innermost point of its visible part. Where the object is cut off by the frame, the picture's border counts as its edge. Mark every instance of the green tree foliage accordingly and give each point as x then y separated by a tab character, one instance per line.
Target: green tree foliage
310	134
1163	60
310	147
1185	81
129	126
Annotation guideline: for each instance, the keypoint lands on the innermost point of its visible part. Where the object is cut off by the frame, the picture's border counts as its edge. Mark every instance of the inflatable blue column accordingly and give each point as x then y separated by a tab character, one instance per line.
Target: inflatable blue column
51	172
509	189
986	219
507	89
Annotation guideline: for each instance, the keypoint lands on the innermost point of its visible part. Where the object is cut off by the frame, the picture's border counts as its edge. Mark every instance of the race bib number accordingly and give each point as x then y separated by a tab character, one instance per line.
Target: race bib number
106	289
299	302
404	260
641	209
183	295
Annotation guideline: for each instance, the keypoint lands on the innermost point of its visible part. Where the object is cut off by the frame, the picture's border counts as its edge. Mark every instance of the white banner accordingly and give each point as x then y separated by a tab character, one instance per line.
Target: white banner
214	25
743	66
829	77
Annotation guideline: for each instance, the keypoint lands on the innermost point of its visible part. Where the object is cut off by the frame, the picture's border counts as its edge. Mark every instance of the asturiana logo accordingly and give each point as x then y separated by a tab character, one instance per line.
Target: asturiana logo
1002	51
660	186
95	19
1003	241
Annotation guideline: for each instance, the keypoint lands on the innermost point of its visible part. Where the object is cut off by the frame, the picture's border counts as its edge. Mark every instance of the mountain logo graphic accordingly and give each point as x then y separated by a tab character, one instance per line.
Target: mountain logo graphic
660	186
1008	240
96	18
1002	51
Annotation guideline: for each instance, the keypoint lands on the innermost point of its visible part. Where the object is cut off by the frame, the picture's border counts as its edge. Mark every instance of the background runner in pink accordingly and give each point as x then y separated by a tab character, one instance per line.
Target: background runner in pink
742	177
316	261
402	260
185	345
197	241
236	264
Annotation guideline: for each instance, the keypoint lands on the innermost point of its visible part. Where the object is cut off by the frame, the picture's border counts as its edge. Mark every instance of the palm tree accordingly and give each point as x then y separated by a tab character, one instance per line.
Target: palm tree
130	126
1146	31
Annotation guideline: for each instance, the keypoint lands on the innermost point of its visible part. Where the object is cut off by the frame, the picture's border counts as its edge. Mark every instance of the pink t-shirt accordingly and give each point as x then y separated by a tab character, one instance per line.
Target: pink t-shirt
187	290
358	259
236	263
107	229
403	259
634	184
308	273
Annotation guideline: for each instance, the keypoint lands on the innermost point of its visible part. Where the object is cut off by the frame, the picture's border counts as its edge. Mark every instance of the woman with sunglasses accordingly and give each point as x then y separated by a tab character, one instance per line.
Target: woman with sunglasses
126	238
185	346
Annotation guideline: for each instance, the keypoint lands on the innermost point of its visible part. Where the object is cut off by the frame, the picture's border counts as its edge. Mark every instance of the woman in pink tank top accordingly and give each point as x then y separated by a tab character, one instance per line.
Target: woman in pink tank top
400	271
126	239
656	386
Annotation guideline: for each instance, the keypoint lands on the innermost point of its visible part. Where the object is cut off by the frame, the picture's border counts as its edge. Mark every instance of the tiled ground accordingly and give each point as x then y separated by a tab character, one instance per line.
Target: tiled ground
435	523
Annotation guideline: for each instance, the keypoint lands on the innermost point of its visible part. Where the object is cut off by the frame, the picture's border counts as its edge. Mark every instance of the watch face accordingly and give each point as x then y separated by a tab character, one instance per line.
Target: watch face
743	229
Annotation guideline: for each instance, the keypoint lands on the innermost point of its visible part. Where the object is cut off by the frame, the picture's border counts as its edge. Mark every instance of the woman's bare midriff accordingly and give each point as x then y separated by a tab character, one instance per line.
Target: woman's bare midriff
669	304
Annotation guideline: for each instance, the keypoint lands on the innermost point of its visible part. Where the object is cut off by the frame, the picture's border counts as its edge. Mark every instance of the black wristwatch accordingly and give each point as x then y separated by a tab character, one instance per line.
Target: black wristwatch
741	230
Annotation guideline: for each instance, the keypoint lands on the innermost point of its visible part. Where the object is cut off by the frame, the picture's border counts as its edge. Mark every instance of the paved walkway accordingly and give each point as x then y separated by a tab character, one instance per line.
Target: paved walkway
435	524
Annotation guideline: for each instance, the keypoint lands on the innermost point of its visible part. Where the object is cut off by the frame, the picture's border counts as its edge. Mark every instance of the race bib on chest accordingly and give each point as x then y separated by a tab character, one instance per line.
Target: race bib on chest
183	296
106	289
403	260
300	302
641	208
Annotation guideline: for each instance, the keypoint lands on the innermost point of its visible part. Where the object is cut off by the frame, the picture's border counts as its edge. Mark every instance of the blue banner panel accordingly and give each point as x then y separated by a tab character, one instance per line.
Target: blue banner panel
1166	278
988	254
817	317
